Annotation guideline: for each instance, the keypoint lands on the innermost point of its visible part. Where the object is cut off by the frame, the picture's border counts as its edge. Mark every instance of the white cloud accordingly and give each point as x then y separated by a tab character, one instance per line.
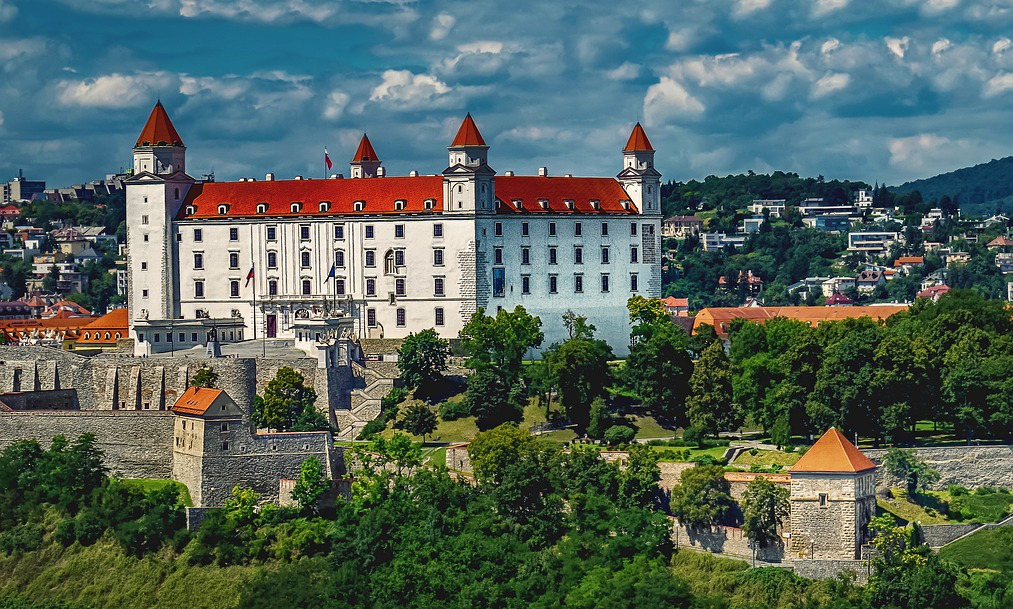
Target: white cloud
829	83
744	8
442	24
822	8
933	7
668	99
405	90
7	10
898	46
1	119
627	71
116	90
940	45
679	40
831	45
337	101
1001	46
998	84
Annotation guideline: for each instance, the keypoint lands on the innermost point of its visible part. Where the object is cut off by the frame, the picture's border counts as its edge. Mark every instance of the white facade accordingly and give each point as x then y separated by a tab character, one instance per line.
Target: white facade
394	255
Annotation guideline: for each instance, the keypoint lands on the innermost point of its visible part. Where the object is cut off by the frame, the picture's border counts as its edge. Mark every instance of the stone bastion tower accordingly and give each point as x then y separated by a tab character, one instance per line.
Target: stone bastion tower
833	498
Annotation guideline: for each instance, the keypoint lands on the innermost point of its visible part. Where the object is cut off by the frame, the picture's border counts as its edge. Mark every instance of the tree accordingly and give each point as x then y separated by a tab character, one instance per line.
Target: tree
599	419
206	377
709	406
500	342
780	432
764	507
909	576
491	401
577	326
580	369
288	405
422	358
658	369
491	450
619	434
905	464
419	420
311	485
641	582
646	311
703	497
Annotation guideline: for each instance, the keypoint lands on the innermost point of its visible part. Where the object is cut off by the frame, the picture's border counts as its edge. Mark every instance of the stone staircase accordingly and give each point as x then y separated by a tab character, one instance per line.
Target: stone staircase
368	388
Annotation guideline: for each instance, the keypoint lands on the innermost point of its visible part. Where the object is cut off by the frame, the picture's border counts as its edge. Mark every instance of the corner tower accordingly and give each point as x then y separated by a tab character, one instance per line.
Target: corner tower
365	163
639	178
833	498
154	193
468	180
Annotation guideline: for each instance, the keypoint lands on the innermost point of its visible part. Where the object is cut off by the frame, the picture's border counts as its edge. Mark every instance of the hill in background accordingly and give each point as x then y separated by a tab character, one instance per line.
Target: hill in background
979	190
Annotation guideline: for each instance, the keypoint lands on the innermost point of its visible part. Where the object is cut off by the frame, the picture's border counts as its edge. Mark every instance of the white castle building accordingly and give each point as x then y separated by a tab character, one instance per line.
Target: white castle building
377	256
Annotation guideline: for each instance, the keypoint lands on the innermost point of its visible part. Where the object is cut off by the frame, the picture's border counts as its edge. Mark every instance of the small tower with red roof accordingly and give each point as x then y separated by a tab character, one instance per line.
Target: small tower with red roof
468	179
639	178
159	149
833	499
365	163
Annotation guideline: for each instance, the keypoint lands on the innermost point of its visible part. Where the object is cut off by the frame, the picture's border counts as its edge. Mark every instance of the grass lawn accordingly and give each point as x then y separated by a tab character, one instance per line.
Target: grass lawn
984	550
767	458
647	427
909	511
936	507
147	485
679	454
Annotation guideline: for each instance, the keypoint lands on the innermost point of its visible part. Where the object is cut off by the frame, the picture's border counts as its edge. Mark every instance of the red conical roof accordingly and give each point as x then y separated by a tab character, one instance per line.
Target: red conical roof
638	141
158	131
833	453
468	134
365	152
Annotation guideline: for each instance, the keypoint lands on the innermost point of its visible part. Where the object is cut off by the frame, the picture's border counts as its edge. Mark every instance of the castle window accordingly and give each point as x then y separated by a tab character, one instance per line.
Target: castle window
225	426
182	337
369	231
543	203
399	231
525	255
144	266
261	208
634	282
553	284
578	230
552	229
233	234
398	258
225	446
499	229
518	203
604	255
339	287
388	263
325	206
198	260
144	293
634	255
438	256
578	283
233	260
552	255
438	289
198	288
234	289
339	231
304	260
497	255
371	318
177	194
399	205
370	258
339	259
437	230
272	260
824	500
525	284
371	287
272	233
399	286
595	204
144	219
568	203
439	316
198	235
633	229
272	287
604	282
223	209
400	318
193	337
604	229
359	205
525	229
307	287
430	204
578	255
296	207
304	232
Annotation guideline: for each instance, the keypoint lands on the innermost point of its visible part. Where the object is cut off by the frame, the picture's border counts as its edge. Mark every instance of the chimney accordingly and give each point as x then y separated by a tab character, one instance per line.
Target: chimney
269	177
508	174
543	172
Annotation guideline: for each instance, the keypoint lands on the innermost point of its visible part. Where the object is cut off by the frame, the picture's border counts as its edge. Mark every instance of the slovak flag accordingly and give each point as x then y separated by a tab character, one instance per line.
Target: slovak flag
249	276
327	159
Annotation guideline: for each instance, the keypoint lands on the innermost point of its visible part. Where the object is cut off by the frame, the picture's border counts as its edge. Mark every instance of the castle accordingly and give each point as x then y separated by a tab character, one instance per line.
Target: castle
376	256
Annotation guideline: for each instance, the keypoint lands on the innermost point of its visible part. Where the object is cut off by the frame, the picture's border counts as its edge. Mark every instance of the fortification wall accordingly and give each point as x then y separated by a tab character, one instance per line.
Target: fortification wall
52	399
827	569
969	466
729	541
135	444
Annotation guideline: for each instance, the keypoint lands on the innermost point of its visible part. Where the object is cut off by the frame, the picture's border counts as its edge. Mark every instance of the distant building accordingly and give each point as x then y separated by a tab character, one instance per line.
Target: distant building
1004	262
872	243
867	281
680	227
776	207
838	300
21	189
863	199
907	263
751	225
837	284
933	293
830	224
721	318
999	242
715	242
934	278
753	283
957	258
820	207
676	307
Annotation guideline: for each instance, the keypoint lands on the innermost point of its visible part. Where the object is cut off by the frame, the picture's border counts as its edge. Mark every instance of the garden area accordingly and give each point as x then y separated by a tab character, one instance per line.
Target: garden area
954	505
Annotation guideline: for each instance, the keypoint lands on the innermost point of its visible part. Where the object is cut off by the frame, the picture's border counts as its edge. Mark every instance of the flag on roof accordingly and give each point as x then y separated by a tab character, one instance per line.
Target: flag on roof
327	158
249	276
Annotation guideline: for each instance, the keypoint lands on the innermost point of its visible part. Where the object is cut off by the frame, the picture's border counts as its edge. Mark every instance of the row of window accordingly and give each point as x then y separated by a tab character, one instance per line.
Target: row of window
156	337
305	232
578	255
439	287
578	229
499	283
439	317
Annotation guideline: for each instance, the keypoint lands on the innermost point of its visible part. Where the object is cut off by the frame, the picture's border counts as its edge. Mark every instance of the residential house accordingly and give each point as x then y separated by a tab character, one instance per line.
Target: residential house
906	264
828	223
715	242
807	285
676	307
751	225
957	258
776	207
819	207
837	284
931	246
872	243
863	199
933	293
88	255
838	300
1002	241
867	281
1004	262
680	227
721	318
998	219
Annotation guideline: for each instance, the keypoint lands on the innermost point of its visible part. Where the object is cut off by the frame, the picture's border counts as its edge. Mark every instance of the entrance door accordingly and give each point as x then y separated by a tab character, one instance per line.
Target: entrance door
272	326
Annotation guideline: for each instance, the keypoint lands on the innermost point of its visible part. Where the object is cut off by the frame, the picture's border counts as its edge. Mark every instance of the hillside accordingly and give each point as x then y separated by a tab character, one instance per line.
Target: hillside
981	189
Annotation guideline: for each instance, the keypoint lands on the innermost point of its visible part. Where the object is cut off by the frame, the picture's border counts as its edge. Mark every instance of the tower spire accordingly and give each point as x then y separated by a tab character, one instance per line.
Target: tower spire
365	162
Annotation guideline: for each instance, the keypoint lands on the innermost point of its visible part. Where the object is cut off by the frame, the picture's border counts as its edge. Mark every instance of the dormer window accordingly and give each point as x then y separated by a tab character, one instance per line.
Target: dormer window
261	208
518	203
543	203
626	204
430	204
359	205
296	207
223	209
325	206
569	203
399	205
595	204
190	210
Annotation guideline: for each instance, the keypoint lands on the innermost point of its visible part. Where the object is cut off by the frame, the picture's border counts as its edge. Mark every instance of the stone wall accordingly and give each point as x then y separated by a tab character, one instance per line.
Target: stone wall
827	569
969	466
53	399
457	458
830	514
938	535
135	444
739	481
729	541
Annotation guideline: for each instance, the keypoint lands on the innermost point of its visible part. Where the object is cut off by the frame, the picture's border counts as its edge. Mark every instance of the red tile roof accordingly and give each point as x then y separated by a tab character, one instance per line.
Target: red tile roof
909	260
1000	241
365	151
672	301
111	323
934	292
378	194
838	299
638	141
158	131
196	400
833	453
468	134
557	190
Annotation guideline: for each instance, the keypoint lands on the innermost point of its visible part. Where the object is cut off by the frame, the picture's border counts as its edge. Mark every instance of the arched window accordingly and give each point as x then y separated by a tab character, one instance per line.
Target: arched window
388	263
261	208
359	205
190	210
399	205
223	209
296	207
324	206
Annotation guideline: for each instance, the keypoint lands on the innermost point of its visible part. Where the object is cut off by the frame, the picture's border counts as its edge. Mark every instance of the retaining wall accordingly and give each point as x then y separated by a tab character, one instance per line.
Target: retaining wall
969	466
729	541
827	569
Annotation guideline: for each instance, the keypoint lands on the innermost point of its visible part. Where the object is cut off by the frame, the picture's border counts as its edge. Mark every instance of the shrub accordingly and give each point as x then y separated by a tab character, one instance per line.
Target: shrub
395	396
22	538
453	410
372	429
956	490
64	533
985	490
619	434
694	435
754	451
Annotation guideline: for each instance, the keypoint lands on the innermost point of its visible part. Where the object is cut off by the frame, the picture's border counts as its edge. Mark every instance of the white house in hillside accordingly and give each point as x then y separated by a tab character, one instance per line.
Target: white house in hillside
382	256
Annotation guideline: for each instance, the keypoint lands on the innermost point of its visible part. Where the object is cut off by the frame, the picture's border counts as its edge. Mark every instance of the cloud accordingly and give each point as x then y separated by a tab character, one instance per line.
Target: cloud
898	46
829	83
116	90
744	8
822	8
998	84
442	24
667	100
335	106
404	90
7	11
1001	46
932	7
940	45
831	45
627	71
1	119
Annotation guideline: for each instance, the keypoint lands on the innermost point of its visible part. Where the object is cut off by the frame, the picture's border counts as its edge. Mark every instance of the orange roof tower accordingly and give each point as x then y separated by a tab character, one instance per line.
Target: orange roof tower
833	453
365	152
638	141
468	134
158	131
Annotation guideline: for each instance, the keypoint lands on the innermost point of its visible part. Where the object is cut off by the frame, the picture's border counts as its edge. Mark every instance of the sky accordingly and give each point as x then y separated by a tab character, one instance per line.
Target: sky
874	90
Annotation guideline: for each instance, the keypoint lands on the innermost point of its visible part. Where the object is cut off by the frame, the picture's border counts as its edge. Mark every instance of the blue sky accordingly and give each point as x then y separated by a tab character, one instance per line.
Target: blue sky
885	90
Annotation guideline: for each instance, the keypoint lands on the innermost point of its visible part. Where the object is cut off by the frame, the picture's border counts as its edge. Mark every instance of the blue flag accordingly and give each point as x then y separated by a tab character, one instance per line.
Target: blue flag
331	274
